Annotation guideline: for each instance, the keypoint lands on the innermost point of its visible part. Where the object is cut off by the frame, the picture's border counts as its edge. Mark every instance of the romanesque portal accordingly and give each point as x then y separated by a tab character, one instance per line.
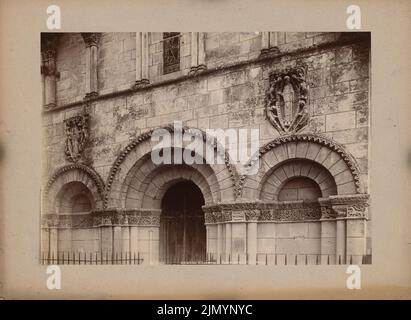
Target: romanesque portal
106	202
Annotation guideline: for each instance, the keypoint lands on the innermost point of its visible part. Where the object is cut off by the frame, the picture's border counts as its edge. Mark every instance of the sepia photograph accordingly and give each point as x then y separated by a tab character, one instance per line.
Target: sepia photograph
261	140
205	158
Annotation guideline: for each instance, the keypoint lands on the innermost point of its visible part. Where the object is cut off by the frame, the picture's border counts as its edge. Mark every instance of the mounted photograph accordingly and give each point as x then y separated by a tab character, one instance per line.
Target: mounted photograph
206	148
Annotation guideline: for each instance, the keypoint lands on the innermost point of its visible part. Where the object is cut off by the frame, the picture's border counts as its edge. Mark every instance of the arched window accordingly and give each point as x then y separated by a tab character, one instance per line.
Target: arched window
171	52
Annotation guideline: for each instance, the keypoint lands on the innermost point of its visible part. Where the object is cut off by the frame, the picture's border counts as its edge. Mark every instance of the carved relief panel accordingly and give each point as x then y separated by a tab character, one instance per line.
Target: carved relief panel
286	106
76	130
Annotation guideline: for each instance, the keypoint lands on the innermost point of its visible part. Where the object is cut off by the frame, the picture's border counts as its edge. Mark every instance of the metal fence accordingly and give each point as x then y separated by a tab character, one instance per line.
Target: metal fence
95	258
269	259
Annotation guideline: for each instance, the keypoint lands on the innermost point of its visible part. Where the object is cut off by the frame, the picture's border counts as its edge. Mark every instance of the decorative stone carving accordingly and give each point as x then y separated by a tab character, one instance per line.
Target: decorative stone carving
350	206
357	211
76	129
94	176
212	216
263	211
298	211
226	216
327	213
239	216
91	38
101	218
322	140
49	221
286	106
48	66
252	215
267	215
147	135
341	211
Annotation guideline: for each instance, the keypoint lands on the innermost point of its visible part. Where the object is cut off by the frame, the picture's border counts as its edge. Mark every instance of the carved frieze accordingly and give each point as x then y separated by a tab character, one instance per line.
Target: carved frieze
262	211
286	105
103	218
298	211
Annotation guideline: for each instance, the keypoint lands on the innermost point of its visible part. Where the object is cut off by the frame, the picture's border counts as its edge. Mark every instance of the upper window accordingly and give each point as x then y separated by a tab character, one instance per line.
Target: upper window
171	52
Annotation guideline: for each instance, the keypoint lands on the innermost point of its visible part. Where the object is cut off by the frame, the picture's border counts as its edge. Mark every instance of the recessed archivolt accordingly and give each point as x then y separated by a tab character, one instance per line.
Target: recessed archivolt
136	153
326	153
148	192
74	197
144	180
73	173
275	178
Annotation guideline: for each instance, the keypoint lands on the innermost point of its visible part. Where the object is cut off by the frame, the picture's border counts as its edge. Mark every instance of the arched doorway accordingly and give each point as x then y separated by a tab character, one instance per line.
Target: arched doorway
182	229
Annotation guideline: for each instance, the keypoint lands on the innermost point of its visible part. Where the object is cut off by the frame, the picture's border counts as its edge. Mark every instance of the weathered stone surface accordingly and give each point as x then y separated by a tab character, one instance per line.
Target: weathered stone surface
234	96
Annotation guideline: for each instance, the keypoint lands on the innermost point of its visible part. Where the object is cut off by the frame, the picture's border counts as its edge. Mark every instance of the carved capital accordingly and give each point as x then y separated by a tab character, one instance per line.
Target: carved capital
253	215
49	221
212	216
49	43
91	38
351	206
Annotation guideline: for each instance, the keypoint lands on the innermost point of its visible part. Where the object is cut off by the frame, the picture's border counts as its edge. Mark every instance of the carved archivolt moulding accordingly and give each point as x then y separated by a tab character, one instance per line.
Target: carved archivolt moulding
104	218
77	135
286	100
95	177
147	135
314	138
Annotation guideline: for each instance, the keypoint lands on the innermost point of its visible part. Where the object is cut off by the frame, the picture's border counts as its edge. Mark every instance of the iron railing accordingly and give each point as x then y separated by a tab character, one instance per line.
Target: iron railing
269	259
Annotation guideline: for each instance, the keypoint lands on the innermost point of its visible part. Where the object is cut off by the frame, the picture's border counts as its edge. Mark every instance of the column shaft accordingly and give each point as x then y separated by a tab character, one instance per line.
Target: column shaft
134	240
106	242
201	50
265	36
117	241
328	241
252	242
144	58
219	241
356	236
341	239
53	242
125	237
139	52
194	49
93	69
228	241
273	39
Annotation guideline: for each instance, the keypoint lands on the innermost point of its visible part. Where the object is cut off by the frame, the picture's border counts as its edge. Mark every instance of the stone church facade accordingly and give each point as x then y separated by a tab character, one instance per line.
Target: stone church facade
103	197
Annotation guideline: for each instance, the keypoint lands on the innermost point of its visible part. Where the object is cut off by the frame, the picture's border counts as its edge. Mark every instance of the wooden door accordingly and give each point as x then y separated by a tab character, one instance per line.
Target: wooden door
182	229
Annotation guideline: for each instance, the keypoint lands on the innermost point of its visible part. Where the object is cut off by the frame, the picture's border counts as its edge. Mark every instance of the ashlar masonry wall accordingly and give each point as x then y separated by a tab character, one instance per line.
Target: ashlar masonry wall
231	93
